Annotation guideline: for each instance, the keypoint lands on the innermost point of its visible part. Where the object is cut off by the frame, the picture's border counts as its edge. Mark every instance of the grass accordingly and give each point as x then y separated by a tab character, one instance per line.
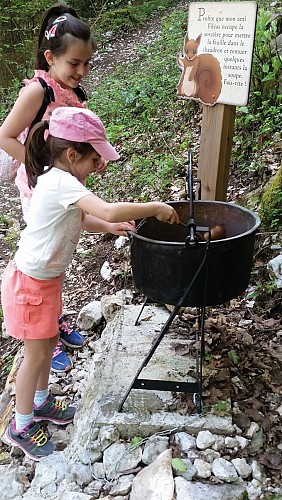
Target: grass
145	120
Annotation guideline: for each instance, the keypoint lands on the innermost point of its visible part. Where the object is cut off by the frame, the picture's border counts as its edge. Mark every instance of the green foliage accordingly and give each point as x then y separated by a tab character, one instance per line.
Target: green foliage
263	290
136	441
123	16
256	123
178	465
19	22
234	358
221	406
271	204
145	120
9	363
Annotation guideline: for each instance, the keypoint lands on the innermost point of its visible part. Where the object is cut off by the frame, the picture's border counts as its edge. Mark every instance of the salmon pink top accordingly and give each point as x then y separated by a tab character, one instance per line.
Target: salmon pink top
63	97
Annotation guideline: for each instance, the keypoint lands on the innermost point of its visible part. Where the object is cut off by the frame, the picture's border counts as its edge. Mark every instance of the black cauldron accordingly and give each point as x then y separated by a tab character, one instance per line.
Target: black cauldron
163	266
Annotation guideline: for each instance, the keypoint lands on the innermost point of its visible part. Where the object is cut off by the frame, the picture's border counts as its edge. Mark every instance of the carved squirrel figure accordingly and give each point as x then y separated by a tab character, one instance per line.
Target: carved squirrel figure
201	74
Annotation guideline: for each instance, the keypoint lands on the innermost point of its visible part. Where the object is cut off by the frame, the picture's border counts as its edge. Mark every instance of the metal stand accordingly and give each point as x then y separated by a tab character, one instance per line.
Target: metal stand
194	388
165	385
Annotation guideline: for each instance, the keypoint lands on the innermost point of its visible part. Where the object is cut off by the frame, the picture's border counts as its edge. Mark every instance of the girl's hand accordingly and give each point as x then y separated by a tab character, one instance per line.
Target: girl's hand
121	228
166	213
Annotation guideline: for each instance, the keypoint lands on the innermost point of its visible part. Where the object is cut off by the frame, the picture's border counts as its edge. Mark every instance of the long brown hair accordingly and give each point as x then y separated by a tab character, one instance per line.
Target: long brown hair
40	154
59	43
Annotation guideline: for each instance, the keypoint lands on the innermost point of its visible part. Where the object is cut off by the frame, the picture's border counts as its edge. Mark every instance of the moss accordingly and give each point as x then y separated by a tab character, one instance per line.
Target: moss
271	203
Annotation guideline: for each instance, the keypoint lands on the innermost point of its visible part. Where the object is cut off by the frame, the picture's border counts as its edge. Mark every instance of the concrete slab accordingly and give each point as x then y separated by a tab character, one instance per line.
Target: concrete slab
119	354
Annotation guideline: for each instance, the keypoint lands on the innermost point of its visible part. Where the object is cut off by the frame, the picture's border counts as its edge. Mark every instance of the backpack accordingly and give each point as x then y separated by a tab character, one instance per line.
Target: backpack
8	164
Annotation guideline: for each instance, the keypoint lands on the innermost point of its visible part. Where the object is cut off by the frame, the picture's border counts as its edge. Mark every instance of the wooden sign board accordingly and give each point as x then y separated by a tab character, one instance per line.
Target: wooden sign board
217	52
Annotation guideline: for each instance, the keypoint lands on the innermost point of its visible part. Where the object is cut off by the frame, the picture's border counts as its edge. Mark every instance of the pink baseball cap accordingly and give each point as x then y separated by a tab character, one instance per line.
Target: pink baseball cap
81	125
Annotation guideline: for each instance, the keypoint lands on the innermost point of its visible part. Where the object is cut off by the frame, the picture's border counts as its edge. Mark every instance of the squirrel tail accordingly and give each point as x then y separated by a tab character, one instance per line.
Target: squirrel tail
209	78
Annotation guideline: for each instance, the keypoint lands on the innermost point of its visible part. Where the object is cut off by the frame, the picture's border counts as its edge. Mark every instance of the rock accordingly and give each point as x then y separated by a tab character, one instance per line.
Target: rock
205	439
242	467
186	490
274	267
90	315
154	446
203	469
190	470
11	486
106	271
120	457
78	473
224	470
184	441
155	482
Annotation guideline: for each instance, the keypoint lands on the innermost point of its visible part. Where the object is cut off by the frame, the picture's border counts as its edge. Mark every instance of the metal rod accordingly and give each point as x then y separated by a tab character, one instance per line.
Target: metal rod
165	328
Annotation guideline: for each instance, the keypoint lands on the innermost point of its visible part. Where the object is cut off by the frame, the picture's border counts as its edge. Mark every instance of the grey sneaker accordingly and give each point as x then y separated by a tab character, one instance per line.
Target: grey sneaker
32	440
54	410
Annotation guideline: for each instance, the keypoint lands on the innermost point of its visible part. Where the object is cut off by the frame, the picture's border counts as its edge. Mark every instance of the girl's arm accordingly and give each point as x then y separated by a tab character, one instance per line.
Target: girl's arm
126	211
21	116
92	224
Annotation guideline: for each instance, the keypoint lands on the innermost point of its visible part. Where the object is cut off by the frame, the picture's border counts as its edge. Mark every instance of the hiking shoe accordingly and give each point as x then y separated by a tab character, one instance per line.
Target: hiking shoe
32	440
54	410
60	361
71	338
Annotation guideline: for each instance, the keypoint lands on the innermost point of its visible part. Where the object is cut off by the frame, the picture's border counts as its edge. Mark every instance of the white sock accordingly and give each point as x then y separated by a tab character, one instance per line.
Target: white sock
23	420
40	397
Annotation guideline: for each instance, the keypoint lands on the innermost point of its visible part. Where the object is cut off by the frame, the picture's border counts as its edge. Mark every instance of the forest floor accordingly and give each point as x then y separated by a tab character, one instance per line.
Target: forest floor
243	337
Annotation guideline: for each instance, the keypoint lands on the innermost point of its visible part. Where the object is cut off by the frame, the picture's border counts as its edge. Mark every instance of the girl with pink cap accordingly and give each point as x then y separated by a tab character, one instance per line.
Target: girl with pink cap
61	206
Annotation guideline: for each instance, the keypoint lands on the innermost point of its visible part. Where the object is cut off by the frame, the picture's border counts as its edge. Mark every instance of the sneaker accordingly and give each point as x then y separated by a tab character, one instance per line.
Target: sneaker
71	338
32	440
60	361
54	410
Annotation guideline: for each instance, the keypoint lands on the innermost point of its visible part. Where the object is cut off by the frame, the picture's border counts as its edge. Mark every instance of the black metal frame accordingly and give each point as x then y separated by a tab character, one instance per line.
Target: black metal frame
168	385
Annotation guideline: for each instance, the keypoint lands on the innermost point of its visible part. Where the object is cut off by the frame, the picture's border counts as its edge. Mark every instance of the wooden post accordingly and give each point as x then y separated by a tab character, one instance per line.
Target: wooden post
215	150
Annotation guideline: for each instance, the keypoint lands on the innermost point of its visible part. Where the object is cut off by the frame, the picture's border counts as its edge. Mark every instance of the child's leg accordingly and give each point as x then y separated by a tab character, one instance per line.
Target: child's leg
37	359
43	378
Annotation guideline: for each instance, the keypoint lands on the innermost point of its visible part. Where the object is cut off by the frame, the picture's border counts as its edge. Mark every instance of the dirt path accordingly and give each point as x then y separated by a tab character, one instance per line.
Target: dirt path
125	49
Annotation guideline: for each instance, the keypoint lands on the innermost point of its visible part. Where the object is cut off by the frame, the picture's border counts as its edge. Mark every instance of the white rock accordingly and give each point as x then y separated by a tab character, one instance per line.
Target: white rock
154	446
257	471
252	430
184	441
190	490
203	469
224	470
90	315
254	489
242	442
106	271
205	439
242	467
231	442
274	267
155	482
120	457
121	242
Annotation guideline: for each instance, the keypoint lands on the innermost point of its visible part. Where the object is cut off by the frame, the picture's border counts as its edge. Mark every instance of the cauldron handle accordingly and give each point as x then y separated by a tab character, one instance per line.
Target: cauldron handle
191	239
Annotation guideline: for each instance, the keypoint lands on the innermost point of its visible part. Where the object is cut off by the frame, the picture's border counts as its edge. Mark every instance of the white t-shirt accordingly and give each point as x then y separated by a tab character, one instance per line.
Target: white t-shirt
53	227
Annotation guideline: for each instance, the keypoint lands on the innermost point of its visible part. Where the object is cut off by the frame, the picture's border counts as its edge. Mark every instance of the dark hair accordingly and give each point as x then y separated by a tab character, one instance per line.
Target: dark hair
59	43
40	154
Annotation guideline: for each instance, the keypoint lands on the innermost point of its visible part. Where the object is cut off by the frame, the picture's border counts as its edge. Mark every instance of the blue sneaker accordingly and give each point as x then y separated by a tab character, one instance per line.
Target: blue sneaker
60	361
54	410
32	440
71	338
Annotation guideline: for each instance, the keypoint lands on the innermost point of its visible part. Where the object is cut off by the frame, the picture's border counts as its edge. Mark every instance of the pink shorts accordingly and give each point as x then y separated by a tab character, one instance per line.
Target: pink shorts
31	307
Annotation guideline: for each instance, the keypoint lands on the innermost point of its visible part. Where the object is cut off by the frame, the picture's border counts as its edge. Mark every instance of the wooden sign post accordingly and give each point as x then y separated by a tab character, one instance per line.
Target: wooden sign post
216	70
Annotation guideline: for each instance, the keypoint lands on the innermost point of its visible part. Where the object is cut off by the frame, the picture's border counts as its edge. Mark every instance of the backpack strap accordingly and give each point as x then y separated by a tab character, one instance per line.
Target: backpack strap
47	99
80	92
50	97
